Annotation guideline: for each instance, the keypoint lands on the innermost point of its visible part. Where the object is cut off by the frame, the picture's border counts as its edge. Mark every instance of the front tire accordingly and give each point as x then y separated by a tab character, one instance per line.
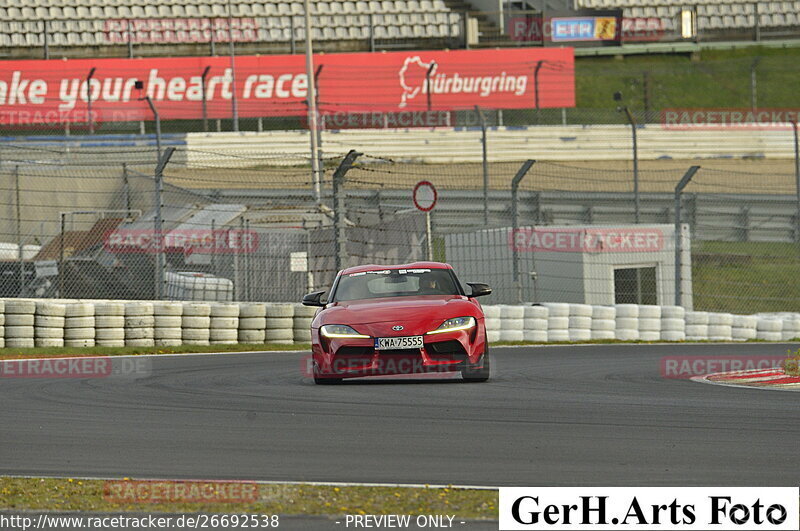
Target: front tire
321	379
478	375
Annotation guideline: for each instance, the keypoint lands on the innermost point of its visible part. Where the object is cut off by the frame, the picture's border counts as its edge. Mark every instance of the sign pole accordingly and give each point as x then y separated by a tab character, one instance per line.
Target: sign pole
428	235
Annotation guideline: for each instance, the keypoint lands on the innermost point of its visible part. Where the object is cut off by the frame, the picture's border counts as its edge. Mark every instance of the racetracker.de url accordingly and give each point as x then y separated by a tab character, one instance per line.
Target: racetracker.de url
30	521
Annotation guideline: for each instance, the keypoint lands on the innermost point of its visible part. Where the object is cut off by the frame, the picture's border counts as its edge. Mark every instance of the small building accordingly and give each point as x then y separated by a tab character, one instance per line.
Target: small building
591	264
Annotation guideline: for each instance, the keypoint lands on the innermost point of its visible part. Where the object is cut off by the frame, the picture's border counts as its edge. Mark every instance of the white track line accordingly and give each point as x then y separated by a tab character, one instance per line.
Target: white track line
267	482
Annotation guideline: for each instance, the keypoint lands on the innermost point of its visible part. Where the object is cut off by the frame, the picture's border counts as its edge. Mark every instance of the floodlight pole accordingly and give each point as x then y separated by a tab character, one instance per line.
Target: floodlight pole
89	100
632	122
521	173
158	124
203	77
313	125
679	233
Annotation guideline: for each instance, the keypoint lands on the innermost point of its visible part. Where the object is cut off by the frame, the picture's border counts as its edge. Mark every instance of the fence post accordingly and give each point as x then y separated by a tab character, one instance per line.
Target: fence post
159	222
678	234
339	207
19	231
523	170
45	40
158	126
485	158
796	180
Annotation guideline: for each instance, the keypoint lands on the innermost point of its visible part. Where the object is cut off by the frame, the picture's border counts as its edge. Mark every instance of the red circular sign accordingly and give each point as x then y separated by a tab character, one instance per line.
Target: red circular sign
425	196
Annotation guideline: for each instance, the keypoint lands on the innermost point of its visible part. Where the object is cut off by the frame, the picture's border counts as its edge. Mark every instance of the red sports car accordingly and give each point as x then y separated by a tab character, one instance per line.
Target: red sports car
398	319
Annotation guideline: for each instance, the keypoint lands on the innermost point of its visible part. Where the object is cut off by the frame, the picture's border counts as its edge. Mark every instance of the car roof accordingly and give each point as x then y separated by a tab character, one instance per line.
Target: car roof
413	265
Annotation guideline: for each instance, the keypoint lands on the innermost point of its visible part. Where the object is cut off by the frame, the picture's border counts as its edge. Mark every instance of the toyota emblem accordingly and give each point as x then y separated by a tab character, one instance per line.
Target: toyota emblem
397	327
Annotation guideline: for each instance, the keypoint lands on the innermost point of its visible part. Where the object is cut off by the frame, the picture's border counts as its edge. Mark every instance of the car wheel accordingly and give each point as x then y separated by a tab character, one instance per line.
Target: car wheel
320	379
478	375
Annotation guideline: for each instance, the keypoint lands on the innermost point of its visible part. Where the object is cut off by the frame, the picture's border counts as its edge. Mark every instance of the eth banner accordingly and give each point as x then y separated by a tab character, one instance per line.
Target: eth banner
61	91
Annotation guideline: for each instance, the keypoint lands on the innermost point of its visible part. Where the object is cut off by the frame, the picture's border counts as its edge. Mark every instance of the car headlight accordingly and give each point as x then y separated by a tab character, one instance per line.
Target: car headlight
340	331
456	323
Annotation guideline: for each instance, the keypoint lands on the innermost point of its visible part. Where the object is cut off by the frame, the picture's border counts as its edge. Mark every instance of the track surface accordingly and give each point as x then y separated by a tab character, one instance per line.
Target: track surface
598	415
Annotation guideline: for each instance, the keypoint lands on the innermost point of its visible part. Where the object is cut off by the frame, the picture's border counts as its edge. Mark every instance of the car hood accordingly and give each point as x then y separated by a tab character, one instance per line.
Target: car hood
416	315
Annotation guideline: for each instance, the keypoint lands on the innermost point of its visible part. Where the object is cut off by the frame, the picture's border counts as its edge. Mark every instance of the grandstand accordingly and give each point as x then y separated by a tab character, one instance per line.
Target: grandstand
29	28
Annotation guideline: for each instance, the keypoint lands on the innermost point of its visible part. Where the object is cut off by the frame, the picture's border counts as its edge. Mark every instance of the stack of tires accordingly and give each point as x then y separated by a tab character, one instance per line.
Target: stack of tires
491	315
744	327
168	324
627	322
580	322
791	327
769	329
224	324
604	322
512	319
280	323
301	324
252	323
196	323
109	324
557	321
19	323
534	324
79	325
696	326
720	326
673	323
49	321
649	322
139	324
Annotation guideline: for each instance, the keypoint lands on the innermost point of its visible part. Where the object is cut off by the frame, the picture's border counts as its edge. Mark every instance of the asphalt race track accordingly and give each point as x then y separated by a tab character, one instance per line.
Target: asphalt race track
570	415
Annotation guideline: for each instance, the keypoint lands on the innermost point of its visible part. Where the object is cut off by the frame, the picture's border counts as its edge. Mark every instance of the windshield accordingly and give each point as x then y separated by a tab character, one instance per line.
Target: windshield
395	283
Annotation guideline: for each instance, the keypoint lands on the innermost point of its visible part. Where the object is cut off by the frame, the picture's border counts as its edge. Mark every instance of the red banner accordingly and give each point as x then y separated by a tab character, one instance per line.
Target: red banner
61	91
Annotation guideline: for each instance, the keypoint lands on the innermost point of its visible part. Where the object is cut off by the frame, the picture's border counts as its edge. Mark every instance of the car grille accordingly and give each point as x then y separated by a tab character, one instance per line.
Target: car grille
451	350
400	352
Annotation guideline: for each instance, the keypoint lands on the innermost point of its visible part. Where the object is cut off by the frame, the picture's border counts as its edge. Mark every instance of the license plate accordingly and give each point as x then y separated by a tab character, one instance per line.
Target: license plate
395	343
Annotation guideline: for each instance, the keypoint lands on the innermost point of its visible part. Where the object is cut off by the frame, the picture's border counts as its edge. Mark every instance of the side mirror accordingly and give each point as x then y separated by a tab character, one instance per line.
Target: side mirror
313	299
479	289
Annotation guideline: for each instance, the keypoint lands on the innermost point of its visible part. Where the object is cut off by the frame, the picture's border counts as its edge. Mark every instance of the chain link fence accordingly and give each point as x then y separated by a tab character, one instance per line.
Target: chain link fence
243	222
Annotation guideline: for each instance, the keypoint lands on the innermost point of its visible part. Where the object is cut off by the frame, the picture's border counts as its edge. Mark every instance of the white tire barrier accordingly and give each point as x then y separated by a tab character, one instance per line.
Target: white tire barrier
626	334
580	334
139	324
167	309
512	312
77	310
536	312
42	342
673	312
221	310
538	336
224	323
558	323
696	318
718	332
20	342
303	316
167	321
252	323
649	335
491	312
627	310
50	309
791	328
79	322
604	325
627	323
280	310
278	335
649	324
580	310
274	323
673	335
109	322
512	324
512	335
20	306
19	319
79	343
647	311
769	329
558	334
579	322
492	323
557	309
696	332
604	312
720	319
534	324
196	309
173	333
191	321
671	324
254	336
256	310
79	333
492	336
